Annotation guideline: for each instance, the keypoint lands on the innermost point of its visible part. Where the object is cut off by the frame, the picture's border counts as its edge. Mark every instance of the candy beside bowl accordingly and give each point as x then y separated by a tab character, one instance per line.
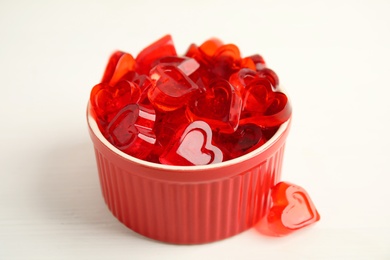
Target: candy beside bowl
189	148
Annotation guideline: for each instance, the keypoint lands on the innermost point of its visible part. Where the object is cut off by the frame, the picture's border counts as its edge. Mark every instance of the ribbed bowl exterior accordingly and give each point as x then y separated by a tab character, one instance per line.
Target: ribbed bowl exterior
188	207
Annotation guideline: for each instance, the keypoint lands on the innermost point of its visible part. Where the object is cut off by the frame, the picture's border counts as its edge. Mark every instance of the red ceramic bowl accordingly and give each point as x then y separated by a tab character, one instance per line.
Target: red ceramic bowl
188	204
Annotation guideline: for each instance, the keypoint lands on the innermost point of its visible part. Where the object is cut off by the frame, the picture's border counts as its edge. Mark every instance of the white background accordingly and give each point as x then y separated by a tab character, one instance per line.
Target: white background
333	58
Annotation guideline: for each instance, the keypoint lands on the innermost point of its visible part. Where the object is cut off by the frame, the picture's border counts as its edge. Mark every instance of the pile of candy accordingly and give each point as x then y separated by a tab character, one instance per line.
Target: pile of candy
208	106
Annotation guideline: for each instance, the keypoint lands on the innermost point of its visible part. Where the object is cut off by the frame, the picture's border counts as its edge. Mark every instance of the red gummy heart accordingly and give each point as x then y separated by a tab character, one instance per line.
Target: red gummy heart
271	76
258	96
144	83
248	63
261	104
119	64
258	61
243	78
245	139
219	59
167	124
292	209
277	112
192	146
220	107
131	130
205	52
171	88
108	100
186	65
210	46
226	60
161	48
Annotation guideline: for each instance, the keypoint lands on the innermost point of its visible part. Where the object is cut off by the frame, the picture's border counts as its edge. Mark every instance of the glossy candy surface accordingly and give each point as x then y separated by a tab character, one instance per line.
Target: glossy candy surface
207	106
172	89
246	138
192	145
131	130
118	66
292	209
220	106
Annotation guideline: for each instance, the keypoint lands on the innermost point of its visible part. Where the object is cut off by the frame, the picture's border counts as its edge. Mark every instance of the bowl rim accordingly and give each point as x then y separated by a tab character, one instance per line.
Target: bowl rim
267	145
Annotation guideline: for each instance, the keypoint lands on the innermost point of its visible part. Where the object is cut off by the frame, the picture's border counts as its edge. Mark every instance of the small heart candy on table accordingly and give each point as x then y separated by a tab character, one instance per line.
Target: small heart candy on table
192	146
291	209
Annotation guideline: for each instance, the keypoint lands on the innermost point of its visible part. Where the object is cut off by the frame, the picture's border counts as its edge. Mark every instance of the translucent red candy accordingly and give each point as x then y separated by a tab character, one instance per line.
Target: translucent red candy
245	139
107	100
220	106
119	65
292	209
262	103
207	106
131	130
159	49
192	145
172	89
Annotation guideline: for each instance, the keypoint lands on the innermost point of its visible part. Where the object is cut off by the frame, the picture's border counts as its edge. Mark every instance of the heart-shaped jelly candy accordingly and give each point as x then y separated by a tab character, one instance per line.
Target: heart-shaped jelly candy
262	105
245	139
210	47
271	76
258	60
186	65
243	78
161	48
119	64
205	52
292	209
220	106
257	96
108	100
131	130
248	63
167	124
226	60
277	111
192	146
171	88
